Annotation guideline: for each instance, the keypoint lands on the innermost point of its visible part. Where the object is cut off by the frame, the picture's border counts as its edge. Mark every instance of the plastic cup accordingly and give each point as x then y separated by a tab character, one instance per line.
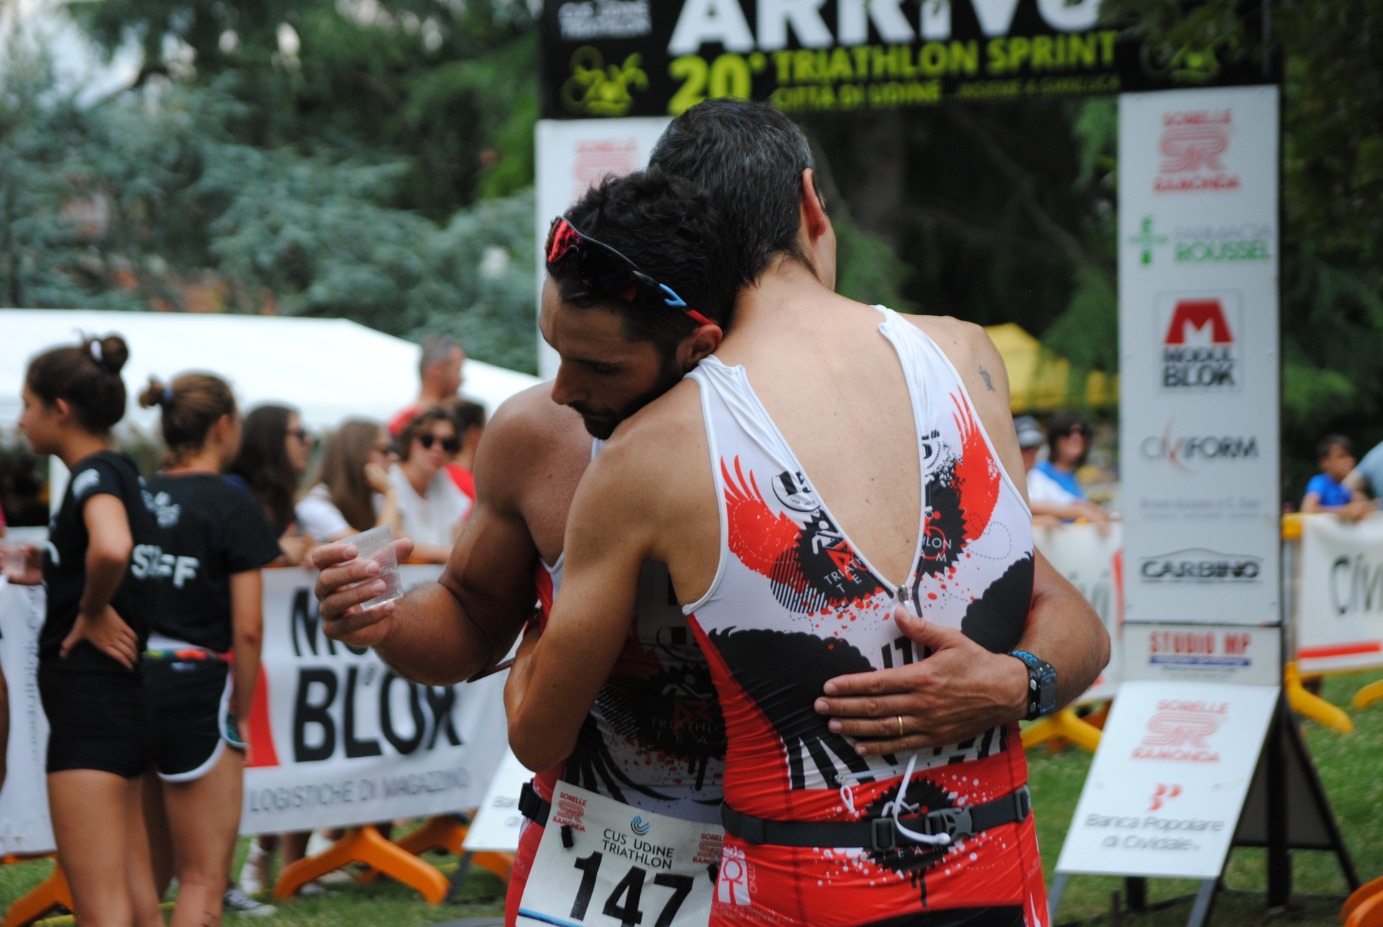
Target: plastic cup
377	545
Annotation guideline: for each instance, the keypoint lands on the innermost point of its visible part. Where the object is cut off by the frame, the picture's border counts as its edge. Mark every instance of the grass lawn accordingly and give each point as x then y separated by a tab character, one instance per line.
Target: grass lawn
1350	768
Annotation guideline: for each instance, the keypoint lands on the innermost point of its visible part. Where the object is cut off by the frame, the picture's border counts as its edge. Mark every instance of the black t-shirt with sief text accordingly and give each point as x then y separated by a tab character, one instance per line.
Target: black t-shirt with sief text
208	530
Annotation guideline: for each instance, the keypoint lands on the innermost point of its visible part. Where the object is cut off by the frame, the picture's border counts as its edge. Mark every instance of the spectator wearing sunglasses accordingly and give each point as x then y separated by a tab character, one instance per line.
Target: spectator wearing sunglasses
1053	488
431	506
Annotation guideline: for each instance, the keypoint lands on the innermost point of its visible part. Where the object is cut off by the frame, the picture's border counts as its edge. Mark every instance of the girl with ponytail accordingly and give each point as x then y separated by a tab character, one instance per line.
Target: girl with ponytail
96	624
202	661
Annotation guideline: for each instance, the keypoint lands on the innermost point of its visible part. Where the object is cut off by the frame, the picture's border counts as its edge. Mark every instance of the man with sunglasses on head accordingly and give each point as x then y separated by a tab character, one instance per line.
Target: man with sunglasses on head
831	472
628	322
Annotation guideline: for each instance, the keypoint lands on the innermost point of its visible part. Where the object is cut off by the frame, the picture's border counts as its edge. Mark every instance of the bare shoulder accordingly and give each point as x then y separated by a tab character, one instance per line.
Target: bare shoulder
659	435
650	492
530	440
963	342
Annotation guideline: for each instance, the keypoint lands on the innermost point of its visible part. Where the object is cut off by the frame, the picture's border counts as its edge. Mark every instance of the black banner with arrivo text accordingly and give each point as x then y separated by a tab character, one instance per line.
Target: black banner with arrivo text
620	58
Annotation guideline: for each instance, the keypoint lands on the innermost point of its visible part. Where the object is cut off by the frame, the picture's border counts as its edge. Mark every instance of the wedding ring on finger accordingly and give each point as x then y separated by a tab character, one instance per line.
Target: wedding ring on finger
900	725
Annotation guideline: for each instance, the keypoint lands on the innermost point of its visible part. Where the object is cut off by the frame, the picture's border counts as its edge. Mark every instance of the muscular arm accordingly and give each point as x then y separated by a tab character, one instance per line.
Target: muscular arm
448	631
555	679
961	689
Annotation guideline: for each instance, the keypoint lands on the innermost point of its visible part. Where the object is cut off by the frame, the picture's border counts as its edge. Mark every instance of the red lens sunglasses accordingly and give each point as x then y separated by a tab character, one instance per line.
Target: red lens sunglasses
605	270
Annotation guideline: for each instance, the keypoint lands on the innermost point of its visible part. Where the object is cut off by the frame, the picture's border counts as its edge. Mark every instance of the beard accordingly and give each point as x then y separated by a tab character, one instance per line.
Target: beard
602	422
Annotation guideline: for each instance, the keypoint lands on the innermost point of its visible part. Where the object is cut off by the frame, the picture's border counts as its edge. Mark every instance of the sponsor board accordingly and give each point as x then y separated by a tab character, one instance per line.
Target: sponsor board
336	738
1340	594
498	822
1203	653
571	156
1169	779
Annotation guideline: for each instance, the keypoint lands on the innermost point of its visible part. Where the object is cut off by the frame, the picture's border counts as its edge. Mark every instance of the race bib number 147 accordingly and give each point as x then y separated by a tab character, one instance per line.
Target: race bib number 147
624	867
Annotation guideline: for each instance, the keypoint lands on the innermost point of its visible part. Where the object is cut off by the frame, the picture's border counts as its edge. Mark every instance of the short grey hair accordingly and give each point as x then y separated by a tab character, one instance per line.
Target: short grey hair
435	348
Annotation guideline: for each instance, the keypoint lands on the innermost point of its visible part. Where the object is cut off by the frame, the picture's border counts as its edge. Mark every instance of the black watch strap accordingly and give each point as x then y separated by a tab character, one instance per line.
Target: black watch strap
1041	685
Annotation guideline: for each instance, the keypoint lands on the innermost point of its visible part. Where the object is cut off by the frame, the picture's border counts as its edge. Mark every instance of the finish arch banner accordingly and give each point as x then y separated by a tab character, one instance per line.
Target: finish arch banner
337	738
612	59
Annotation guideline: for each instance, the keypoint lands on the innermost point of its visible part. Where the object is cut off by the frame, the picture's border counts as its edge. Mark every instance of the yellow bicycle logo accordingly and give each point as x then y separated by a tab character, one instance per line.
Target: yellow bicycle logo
597	90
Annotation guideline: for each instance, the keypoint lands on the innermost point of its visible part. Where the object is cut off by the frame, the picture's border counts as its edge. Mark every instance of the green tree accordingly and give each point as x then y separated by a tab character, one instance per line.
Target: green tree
445	89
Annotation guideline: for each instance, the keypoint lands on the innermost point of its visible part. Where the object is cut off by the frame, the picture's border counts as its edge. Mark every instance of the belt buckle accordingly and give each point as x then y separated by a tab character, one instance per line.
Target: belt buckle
953	822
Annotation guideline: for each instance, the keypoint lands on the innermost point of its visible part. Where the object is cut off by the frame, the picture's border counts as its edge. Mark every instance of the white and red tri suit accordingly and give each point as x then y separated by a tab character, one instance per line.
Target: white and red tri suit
654	739
793	604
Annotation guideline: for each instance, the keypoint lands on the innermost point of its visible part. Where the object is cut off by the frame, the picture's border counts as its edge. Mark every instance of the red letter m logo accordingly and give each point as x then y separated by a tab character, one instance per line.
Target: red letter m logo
1197	314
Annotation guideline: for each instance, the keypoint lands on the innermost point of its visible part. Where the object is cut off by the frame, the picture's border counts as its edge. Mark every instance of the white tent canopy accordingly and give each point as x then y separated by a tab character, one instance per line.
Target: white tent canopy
328	369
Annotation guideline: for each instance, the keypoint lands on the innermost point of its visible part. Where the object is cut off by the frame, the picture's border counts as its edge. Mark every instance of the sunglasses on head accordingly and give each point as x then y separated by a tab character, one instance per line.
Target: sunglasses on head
450	445
604	270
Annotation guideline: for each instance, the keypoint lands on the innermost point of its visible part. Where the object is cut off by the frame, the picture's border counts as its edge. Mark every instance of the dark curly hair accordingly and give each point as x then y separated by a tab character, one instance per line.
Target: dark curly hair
673	233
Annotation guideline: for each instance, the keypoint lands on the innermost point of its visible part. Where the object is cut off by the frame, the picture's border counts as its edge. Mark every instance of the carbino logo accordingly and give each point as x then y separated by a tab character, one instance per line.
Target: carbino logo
1200	565
1192	453
1198	341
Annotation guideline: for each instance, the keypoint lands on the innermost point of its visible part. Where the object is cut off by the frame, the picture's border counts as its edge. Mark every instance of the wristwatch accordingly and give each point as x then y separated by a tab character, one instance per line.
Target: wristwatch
1041	685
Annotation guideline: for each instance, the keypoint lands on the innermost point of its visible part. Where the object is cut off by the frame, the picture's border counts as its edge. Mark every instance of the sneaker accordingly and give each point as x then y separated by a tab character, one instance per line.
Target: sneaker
237	902
254	871
316	889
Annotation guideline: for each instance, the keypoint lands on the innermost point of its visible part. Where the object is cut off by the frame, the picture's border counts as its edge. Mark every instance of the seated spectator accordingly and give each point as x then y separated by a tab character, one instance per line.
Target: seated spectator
1328	491
431	507
274	450
1053	489
352	492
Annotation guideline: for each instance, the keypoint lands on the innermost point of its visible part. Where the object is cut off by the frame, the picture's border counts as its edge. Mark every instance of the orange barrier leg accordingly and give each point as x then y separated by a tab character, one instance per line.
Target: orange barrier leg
447	832
1366	696
365	845
1309	705
52	892
1065	724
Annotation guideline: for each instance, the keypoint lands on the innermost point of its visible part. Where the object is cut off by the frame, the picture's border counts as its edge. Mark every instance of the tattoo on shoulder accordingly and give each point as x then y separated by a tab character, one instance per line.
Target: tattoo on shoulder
988	383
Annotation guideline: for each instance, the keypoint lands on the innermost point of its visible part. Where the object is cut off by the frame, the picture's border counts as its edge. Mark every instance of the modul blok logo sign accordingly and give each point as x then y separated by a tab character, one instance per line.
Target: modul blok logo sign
1199	341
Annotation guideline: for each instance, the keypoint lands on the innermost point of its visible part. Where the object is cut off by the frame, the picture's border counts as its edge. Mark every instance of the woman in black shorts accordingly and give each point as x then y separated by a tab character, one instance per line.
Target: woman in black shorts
202	660
96	624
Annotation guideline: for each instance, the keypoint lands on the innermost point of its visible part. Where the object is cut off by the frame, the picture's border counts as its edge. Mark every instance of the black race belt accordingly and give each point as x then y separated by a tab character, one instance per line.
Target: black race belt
533	806
879	833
